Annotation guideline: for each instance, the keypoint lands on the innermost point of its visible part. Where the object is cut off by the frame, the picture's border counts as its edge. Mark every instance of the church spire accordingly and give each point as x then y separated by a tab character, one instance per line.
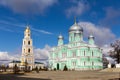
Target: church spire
75	20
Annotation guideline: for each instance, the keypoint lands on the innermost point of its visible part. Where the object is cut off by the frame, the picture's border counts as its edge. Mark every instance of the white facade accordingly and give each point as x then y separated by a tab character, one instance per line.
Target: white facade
13	63
39	65
27	49
117	65
109	65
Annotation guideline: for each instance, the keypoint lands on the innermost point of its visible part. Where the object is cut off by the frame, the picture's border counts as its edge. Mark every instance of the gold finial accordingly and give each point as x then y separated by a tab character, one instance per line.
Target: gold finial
27	28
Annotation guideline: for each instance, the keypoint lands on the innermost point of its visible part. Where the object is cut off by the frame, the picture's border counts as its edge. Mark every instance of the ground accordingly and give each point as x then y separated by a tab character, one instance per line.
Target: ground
62	75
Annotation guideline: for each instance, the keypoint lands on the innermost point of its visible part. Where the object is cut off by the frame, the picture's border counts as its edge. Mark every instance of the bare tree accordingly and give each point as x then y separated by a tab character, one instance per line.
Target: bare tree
15	69
65	68
105	62
115	54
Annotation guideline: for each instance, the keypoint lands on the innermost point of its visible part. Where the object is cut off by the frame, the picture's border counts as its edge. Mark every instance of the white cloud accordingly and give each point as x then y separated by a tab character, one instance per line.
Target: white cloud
42	54
6	56
41	31
39	54
28	6
102	35
8	26
77	9
106	49
111	60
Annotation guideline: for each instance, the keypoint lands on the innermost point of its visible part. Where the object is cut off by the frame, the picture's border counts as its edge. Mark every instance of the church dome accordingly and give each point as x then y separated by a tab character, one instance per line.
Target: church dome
27	29
75	27
91	36
77	32
60	37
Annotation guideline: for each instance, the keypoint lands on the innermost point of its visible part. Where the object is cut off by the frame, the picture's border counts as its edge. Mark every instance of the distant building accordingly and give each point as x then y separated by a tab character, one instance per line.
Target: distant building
27	57
18	63
12	64
77	54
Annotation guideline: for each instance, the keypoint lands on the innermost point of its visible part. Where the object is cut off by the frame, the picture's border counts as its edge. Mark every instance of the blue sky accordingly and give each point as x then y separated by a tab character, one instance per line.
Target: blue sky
48	18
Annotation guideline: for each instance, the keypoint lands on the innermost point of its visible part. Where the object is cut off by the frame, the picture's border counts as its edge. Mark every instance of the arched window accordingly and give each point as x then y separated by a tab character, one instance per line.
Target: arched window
24	50
84	53
84	63
28	42
74	63
56	55
29	50
92	53
92	63
74	54
71	38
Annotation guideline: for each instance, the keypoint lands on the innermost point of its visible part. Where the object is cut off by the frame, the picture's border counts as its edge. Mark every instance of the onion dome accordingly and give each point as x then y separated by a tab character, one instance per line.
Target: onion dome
75	27
60	37
91	37
77	32
27	29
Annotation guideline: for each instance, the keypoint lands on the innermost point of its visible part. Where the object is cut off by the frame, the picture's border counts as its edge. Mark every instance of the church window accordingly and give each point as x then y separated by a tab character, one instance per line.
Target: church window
56	55
93	63
74	63
84	53
28	42
29	50
92	53
64	55
28	34
24	50
84	63
74	54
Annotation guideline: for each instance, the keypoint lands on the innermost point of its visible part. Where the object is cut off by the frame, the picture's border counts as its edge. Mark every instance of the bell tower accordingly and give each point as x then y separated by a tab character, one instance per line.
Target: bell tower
27	49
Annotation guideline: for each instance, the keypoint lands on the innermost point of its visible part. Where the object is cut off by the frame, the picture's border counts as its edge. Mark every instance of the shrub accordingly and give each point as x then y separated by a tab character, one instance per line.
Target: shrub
65	68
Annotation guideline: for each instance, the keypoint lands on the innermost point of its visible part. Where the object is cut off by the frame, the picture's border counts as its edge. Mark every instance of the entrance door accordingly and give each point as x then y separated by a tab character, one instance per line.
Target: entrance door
57	66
